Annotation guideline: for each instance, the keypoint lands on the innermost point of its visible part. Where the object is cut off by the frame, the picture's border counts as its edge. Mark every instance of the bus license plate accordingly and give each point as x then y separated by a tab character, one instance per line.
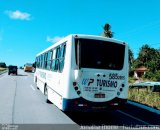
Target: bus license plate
99	95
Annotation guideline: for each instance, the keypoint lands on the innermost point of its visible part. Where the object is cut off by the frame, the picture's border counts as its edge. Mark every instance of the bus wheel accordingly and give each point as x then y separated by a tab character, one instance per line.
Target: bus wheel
36	83
46	93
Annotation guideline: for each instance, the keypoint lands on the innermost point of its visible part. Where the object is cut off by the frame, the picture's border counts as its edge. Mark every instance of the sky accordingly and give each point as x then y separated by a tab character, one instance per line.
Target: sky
29	26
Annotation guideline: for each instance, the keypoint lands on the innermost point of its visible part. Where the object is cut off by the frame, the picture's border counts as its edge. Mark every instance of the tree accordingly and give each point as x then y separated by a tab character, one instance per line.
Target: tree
144	54
3	64
131	57
107	31
131	62
148	57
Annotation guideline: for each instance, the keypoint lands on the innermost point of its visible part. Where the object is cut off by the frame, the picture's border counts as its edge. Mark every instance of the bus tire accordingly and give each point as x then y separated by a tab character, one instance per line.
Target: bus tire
36	83
46	94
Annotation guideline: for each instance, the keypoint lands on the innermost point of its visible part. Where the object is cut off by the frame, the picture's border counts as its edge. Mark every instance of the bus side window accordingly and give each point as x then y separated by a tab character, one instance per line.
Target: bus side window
49	58
45	61
57	59
41	61
62	57
38	62
53	60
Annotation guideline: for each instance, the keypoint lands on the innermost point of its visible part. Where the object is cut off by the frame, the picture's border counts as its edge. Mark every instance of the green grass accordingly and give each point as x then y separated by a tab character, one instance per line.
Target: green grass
2	69
145	96
131	80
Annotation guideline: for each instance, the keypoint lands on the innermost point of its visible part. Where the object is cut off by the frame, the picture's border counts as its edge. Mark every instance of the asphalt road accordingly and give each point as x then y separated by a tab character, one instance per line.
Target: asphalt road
22	103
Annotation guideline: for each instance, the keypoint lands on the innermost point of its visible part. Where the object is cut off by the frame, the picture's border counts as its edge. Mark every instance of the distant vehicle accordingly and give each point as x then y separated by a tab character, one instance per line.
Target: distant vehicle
12	70
84	73
28	67
20	67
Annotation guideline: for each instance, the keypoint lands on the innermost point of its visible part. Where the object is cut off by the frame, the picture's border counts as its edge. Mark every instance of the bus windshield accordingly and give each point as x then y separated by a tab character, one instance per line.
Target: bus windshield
99	54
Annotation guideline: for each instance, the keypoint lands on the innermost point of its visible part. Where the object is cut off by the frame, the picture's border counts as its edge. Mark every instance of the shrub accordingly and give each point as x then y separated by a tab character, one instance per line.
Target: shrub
2	64
145	96
157	75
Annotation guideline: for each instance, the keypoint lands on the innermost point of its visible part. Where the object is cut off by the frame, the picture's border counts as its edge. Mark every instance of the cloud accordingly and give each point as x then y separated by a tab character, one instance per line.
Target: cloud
54	39
18	15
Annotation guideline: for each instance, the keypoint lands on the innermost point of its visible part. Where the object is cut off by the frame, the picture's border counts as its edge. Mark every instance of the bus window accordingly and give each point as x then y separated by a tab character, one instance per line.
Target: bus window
44	63
77	53
53	60
49	59
57	59
38	62
41	61
62	57
101	55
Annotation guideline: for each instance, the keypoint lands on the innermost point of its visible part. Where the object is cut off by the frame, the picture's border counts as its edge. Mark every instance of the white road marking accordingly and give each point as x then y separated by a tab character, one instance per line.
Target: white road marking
32	87
146	123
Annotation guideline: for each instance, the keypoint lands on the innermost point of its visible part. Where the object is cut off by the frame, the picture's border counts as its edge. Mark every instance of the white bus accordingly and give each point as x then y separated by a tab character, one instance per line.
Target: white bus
84	73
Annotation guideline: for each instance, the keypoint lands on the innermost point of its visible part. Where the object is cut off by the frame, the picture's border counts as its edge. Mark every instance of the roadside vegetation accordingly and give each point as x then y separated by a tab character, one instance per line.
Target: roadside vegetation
3	70
145	96
150	58
3	67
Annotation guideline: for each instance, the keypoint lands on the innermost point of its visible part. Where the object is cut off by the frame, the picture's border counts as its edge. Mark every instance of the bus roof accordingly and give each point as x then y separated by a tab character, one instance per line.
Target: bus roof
81	36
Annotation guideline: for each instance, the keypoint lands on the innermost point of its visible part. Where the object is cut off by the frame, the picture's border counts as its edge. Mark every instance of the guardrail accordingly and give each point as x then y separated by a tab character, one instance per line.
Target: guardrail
153	86
143	106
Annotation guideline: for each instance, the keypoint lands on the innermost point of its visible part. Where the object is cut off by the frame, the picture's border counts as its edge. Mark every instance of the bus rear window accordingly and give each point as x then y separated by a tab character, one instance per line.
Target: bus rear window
99	54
